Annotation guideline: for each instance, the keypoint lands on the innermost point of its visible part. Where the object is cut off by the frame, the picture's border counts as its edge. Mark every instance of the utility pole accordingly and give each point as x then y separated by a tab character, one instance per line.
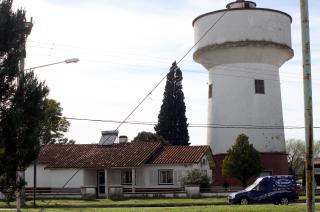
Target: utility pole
307	84
20	175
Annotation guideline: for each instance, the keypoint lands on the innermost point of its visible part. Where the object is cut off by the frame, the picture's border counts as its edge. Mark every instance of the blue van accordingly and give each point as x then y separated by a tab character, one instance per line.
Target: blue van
270	189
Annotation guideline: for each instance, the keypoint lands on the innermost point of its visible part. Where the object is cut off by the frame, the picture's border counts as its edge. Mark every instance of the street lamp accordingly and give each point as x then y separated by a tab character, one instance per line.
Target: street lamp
67	61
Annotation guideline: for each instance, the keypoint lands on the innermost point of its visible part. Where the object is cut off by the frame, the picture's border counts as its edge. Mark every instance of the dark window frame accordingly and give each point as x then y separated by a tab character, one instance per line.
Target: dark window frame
210	91
124	178
204	161
259	86
159	176
101	186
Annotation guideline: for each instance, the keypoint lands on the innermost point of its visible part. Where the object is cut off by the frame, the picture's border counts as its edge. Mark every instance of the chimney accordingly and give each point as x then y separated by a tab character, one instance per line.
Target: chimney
108	137
123	139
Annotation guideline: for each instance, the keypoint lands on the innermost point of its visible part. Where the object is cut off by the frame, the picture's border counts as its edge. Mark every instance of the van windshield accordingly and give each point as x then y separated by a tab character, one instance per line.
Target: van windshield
254	184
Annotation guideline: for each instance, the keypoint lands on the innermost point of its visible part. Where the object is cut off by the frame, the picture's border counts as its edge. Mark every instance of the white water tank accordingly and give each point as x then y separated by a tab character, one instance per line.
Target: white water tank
243	53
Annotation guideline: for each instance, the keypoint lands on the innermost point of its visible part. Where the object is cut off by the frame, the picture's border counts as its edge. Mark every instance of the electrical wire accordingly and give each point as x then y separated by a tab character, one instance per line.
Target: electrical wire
159	60
229	67
216	126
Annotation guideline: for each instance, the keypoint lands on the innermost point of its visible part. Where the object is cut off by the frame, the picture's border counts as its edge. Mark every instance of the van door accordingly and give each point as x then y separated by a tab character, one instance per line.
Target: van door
259	193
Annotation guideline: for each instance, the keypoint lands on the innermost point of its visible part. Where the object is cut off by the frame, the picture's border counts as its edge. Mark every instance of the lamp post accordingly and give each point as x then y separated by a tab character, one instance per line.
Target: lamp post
67	61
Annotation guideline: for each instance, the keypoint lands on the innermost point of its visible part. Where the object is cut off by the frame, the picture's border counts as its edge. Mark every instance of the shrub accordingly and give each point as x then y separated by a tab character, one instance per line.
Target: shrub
196	177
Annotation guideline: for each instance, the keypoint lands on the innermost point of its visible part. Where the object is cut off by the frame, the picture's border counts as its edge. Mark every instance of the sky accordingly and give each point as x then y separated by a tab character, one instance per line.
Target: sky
126	47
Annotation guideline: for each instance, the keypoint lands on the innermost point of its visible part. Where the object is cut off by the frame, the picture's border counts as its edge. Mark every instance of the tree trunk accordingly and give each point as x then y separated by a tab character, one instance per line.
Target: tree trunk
18	193
19	189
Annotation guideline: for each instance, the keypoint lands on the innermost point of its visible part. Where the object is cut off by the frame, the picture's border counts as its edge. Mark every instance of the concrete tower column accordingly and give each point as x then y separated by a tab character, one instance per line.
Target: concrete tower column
243	54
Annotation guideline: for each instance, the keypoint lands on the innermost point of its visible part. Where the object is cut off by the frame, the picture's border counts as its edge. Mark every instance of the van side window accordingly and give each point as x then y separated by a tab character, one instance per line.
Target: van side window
261	187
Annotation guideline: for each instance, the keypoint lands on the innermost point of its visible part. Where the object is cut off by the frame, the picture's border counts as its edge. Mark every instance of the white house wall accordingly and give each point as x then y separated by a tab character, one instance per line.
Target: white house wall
43	176
54	178
114	176
60	176
148	175
89	177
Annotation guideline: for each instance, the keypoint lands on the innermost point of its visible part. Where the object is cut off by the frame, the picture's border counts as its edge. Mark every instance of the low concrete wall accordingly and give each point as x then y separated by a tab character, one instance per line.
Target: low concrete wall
88	192
115	192
192	191
156	195
211	194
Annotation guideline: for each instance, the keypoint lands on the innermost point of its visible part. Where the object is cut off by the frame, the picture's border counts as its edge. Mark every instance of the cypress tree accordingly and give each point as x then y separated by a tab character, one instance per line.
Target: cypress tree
12	41
172	122
22	102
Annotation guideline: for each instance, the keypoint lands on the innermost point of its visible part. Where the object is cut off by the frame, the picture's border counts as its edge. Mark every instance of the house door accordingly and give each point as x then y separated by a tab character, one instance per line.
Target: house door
101	184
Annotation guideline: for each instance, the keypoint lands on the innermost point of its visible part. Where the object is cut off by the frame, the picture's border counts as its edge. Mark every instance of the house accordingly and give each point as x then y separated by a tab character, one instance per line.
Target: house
152	166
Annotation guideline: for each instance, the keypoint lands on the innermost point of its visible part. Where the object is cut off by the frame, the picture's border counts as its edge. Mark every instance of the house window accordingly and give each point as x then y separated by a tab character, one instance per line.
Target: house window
204	161
259	86
210	91
204	172
126	177
165	177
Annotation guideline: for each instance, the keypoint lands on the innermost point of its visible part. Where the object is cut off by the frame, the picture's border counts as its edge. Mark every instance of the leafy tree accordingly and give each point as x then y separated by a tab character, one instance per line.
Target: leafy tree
172	122
295	151
21	100
148	136
296	155
21	126
242	161
54	124
12	39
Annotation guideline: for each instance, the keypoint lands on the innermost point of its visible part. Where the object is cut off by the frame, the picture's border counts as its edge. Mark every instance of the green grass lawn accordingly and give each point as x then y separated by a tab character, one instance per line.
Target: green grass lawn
107	202
247	208
90	205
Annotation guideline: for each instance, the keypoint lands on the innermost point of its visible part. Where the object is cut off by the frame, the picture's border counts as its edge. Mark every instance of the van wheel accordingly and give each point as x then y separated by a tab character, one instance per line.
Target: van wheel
244	201
284	201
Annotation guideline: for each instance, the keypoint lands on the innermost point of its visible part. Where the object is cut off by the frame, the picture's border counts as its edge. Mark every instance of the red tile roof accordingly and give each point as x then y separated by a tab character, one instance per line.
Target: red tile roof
131	154
180	155
95	156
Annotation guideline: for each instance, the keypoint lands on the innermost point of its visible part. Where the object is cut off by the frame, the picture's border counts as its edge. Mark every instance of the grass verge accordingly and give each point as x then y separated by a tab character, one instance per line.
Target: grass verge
232	208
107	202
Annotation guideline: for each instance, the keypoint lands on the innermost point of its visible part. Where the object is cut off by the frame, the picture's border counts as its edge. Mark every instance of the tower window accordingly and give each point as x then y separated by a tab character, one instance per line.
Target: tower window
210	91
259	86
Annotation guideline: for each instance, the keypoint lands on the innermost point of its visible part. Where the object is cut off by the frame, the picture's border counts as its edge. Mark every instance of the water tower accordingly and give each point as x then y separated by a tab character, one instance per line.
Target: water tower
243	53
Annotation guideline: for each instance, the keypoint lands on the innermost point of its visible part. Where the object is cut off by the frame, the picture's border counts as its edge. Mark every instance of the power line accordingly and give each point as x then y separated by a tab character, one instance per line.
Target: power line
218	126
227	68
151	58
